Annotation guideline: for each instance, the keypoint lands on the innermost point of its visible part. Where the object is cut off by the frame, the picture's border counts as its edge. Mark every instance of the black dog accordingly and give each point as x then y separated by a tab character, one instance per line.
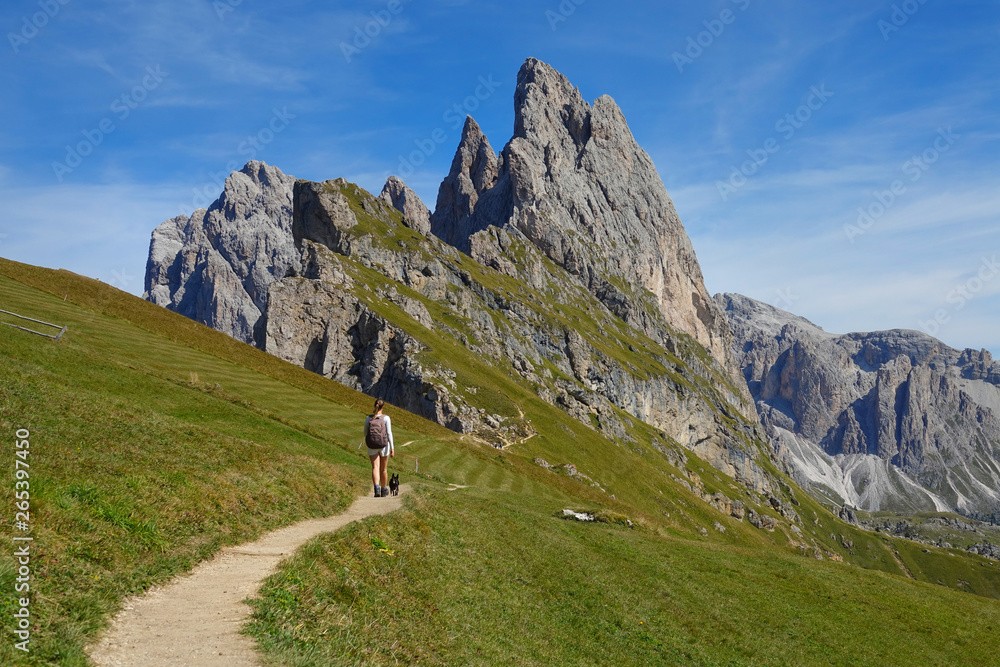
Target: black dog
394	485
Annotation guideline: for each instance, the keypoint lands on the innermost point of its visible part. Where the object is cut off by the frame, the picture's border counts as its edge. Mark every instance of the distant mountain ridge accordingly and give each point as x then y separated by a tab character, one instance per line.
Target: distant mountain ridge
888	420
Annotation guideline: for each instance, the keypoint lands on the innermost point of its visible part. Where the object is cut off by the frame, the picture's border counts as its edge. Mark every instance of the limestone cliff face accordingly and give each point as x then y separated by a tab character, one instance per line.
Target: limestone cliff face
360	263
884	420
575	183
215	266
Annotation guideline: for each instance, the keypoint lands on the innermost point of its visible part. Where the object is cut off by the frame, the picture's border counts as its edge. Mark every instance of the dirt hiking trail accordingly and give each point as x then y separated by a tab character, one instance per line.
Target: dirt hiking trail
195	619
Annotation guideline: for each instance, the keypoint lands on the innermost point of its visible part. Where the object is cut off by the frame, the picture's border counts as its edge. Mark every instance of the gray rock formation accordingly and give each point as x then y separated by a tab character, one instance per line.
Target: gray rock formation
403	199
574	182
474	170
579	284
892	420
215	266
330	316
315	321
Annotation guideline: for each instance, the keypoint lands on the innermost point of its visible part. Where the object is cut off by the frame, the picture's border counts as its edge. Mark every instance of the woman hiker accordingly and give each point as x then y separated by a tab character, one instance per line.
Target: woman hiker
378	437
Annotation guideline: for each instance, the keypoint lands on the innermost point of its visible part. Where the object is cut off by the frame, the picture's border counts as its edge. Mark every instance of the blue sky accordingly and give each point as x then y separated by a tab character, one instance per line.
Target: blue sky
773	125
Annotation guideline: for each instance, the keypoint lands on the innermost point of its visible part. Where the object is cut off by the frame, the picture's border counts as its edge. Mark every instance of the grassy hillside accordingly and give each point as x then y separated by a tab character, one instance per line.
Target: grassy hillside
485	577
152	446
155	441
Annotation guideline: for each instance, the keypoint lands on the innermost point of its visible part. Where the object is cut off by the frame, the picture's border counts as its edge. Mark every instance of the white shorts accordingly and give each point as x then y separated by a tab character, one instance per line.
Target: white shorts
380	452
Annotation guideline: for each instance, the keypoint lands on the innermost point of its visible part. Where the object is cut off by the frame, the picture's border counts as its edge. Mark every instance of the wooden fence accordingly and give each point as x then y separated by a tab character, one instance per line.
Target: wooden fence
54	337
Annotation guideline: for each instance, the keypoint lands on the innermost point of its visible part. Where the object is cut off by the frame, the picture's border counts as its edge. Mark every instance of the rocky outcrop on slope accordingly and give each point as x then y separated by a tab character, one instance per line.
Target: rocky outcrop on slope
215	266
403	199
315	321
574	182
883	420
975	537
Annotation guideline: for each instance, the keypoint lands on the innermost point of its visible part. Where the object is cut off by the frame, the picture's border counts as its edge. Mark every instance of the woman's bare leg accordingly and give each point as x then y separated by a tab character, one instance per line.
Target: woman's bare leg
384	463
376	468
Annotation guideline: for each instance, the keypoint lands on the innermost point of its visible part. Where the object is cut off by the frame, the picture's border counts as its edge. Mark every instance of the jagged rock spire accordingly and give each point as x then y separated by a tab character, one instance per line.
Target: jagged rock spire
473	171
574	181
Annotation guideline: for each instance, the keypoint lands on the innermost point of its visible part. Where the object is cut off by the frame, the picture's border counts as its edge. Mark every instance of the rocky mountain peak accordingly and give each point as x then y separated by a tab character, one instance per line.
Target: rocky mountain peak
474	170
574	182
264	175
215	266
545	100
415	214
742	310
475	158
257	189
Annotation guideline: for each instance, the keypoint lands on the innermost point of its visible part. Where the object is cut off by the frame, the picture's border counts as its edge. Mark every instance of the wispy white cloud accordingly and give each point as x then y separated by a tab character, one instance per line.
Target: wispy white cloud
188	34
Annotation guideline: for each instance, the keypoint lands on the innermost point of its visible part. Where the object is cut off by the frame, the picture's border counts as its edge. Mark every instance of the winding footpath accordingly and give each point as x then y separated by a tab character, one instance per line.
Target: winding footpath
195	619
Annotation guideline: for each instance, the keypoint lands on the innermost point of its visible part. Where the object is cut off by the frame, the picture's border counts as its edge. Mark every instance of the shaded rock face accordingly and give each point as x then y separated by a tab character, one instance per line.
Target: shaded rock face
215	266
315	321
884	420
322	214
574	182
